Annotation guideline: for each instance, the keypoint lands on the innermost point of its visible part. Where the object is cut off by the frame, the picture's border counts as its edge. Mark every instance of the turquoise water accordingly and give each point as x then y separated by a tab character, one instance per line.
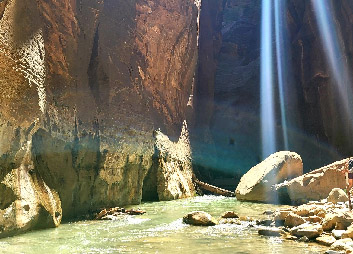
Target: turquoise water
160	230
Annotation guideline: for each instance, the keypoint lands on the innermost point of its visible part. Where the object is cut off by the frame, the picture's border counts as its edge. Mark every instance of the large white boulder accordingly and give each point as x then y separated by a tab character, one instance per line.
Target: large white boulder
256	184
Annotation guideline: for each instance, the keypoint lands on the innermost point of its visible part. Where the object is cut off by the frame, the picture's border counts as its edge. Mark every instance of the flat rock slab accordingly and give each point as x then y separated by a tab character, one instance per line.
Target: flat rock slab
315	185
326	240
338	233
308	230
343	245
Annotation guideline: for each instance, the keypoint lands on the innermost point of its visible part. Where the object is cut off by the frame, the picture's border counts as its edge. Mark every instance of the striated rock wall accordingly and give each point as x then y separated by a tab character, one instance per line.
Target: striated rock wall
319	102
85	83
210	41
232	87
27	201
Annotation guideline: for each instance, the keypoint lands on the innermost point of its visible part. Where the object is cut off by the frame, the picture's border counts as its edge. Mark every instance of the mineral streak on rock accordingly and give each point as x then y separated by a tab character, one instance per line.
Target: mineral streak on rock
83	84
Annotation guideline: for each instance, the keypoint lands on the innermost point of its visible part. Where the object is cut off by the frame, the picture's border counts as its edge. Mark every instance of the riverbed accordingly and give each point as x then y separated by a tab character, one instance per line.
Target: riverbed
161	230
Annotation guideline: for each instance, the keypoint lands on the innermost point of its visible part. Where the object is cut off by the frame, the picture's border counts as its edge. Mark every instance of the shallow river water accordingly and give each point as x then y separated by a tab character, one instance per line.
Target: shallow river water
160	230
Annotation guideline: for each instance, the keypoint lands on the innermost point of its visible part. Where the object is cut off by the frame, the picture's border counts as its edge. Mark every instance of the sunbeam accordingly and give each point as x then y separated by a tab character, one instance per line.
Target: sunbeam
267	94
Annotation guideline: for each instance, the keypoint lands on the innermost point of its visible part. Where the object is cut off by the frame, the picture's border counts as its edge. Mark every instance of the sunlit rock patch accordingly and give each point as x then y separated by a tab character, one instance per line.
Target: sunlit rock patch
29	57
35	204
174	173
256	184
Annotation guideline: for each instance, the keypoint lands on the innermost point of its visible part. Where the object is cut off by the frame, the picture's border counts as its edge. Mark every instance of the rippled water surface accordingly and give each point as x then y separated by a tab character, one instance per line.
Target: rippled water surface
160	230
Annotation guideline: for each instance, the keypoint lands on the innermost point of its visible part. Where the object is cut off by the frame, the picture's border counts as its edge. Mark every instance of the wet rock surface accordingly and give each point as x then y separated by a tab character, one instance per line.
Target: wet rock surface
334	230
229	214
270	231
116	212
34	204
199	218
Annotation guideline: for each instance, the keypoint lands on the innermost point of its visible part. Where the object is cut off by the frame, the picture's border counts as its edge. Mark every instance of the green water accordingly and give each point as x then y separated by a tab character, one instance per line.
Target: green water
160	230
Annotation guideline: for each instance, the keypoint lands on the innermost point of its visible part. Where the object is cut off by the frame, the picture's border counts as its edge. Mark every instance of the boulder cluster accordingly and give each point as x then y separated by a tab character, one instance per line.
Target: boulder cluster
280	179
328	222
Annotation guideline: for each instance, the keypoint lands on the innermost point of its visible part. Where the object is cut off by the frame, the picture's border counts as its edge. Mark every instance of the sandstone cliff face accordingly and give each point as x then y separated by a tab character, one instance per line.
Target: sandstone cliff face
227	129
171	174
83	84
315	122
319	101
210	41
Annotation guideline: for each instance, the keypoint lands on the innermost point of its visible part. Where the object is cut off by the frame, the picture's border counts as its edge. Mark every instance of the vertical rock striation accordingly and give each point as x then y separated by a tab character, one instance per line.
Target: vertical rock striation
229	85
83	84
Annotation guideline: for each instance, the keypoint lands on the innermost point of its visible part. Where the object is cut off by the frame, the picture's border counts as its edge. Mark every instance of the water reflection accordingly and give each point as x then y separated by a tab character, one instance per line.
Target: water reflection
160	230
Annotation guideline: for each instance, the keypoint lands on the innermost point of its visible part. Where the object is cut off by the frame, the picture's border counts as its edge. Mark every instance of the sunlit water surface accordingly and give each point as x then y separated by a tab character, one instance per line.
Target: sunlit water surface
160	230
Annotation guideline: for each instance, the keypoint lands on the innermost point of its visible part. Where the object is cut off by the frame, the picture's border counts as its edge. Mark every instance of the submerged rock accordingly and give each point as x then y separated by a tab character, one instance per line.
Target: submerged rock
230	214
256	184
266	222
270	231
199	218
303	239
112	213
230	221
268	212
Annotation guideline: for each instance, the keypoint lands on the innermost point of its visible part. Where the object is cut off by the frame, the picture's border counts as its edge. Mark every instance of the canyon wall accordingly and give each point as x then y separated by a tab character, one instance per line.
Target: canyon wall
320	104
86	85
318	130
83	86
